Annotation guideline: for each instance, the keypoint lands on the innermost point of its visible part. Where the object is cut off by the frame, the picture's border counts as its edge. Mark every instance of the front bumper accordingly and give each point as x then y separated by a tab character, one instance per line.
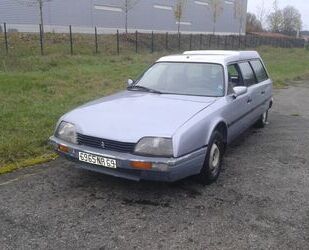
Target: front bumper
164	169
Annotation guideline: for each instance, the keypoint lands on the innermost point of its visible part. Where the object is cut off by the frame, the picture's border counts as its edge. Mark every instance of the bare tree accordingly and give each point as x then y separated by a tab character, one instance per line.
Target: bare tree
239	14
179	12
217	9
127	6
275	18
262	13
40	5
292	21
253	24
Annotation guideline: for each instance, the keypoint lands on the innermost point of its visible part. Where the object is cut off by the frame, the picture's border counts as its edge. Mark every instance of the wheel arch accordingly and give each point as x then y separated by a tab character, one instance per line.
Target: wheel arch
221	127
271	103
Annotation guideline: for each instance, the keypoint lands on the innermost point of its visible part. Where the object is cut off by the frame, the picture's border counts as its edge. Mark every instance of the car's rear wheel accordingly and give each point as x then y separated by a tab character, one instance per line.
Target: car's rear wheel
262	122
213	161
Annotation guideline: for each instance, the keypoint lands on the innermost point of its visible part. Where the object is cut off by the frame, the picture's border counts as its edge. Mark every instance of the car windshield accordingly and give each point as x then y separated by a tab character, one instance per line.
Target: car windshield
200	79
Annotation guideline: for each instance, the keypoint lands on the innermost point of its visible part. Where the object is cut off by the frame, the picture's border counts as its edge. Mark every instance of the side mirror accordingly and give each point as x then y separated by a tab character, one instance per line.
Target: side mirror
239	90
130	82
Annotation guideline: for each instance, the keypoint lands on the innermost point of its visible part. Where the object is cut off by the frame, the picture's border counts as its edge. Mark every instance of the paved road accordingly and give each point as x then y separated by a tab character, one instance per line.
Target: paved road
261	200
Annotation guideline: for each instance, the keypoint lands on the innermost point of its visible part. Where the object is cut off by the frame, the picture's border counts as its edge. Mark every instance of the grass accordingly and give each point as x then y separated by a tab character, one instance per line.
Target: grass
35	91
286	65
28	162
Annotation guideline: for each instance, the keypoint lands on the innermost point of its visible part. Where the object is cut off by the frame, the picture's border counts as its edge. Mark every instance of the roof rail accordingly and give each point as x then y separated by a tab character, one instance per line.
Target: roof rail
211	52
226	53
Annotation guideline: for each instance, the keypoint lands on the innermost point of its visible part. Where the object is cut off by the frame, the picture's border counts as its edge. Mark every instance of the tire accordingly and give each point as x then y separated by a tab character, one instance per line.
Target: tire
262	122
213	161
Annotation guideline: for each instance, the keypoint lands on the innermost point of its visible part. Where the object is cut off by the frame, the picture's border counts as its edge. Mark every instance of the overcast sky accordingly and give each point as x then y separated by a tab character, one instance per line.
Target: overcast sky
301	5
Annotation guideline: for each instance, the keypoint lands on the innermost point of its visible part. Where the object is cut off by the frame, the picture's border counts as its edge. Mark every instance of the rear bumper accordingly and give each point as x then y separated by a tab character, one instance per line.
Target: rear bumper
164	169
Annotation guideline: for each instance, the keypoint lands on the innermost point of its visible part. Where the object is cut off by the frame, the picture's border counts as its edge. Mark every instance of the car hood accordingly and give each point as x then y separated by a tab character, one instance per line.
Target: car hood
131	115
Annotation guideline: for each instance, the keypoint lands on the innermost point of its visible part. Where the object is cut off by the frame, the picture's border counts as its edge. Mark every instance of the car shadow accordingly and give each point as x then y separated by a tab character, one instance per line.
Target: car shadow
155	194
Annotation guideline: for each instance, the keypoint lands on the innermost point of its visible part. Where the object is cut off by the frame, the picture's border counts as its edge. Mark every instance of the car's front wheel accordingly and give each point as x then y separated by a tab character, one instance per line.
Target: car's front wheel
213	161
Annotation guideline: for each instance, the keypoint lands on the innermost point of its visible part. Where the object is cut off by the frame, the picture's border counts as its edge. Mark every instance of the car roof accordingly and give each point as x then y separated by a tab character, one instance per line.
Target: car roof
211	56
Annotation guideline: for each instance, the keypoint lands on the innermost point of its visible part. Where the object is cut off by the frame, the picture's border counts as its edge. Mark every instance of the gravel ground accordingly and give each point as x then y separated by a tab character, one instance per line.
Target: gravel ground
261	200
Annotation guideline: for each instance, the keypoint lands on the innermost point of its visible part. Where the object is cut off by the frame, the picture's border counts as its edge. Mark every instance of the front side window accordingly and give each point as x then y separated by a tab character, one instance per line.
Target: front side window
247	73
259	70
200	79
234	75
235	78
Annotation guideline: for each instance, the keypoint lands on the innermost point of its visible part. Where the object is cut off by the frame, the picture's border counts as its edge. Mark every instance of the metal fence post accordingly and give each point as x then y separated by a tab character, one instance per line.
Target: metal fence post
6	39
118	47
152	42
210	40
225	42
41	40
252	41
136	41
239	42
96	40
166	41
190	48
71	40
179	41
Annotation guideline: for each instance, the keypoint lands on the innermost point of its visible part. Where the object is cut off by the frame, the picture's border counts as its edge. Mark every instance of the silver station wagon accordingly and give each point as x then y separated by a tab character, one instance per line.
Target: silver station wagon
174	121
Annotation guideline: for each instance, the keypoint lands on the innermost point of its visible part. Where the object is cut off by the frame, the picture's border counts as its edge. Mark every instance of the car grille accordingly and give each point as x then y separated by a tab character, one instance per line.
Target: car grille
95	142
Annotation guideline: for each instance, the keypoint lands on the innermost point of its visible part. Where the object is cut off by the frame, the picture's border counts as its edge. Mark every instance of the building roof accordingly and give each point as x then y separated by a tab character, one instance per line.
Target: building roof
211	56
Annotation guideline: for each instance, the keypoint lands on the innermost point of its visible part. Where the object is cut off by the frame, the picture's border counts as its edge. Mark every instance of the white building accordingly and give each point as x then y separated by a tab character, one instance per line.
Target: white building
146	15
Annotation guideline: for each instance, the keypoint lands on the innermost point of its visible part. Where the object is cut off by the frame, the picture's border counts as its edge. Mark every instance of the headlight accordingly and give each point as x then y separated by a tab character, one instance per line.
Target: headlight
155	146
66	131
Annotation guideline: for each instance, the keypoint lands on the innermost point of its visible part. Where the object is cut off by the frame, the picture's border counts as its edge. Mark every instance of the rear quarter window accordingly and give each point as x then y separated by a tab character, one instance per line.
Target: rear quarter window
259	70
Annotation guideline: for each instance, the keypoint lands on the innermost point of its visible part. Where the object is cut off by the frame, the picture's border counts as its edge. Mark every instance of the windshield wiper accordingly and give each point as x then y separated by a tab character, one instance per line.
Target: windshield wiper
139	87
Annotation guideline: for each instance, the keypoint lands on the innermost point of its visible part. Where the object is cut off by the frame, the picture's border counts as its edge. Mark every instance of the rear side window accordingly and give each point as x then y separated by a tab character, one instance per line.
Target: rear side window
259	70
247	73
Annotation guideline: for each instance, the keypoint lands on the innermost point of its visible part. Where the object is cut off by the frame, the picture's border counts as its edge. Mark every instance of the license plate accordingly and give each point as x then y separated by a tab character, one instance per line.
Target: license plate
97	160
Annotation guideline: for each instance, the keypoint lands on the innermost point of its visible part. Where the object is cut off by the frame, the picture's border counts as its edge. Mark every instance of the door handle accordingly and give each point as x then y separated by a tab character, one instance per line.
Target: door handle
263	92
249	100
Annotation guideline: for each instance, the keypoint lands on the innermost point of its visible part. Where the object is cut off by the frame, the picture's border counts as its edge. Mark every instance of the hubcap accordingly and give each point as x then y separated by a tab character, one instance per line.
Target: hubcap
214	159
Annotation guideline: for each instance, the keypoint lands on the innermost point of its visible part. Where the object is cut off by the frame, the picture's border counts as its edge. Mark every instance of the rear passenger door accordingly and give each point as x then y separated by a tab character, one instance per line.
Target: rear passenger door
263	88
250	81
